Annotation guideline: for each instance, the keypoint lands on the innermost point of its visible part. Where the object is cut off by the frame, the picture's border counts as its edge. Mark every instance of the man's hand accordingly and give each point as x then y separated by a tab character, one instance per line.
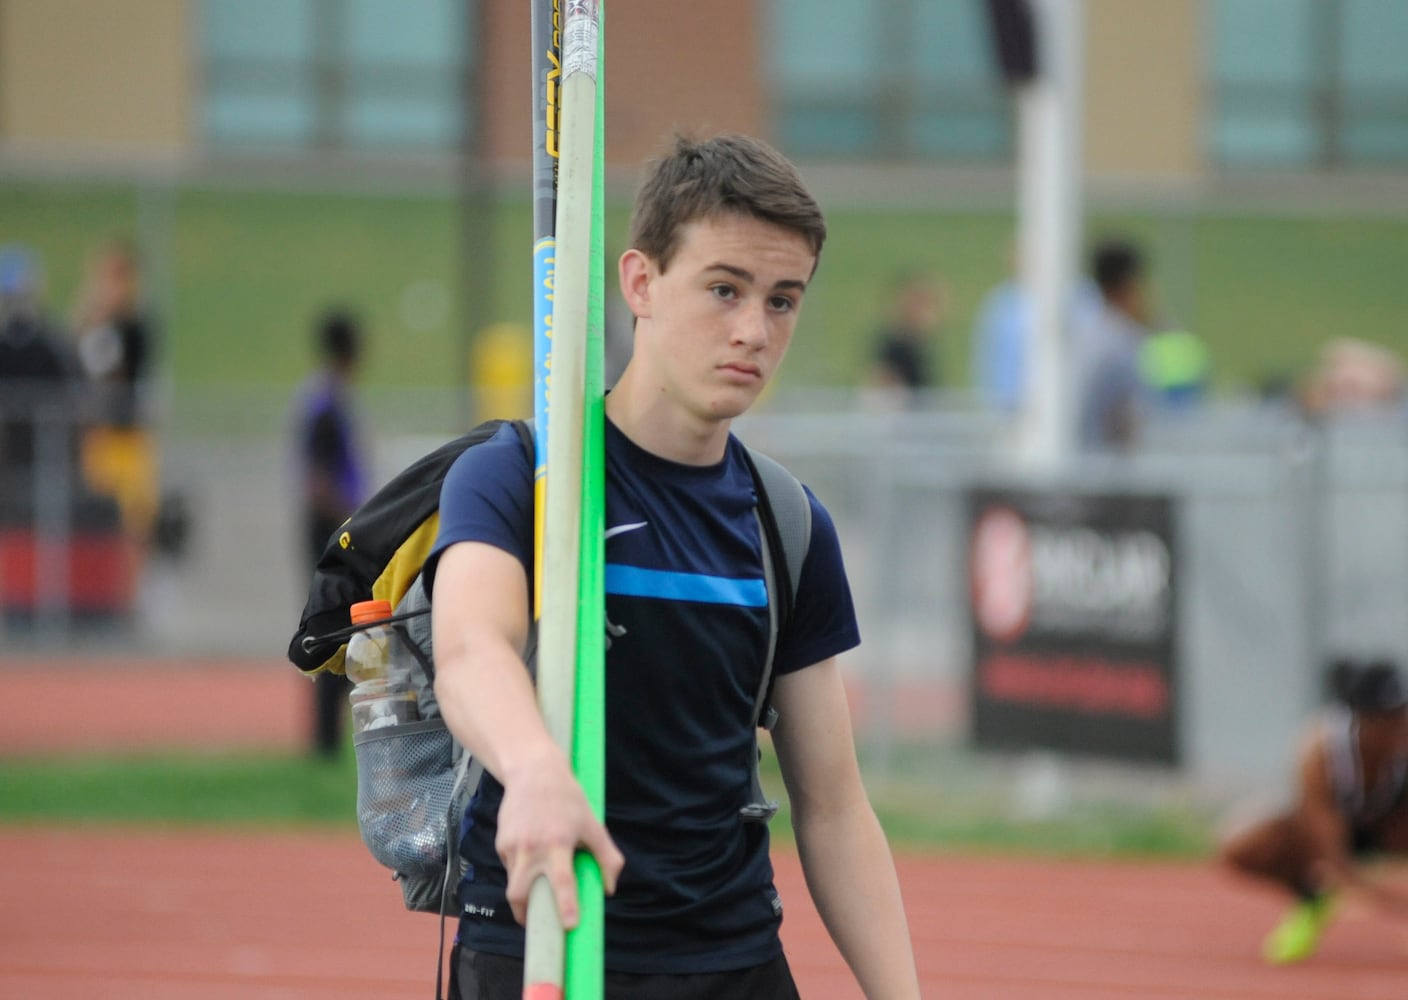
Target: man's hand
543	819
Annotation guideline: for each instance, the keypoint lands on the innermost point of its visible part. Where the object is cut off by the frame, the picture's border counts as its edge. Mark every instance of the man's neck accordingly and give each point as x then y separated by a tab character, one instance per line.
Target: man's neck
655	423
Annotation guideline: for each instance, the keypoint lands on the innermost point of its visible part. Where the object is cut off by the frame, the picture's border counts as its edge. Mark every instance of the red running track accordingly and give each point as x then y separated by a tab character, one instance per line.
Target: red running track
151	915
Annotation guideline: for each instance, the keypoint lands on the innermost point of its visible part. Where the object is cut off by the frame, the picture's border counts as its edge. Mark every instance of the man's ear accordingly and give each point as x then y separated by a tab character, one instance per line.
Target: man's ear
636	271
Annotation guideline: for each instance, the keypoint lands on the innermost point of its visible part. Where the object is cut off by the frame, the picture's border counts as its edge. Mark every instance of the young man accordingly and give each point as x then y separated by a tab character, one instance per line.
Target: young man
724	241
1353	802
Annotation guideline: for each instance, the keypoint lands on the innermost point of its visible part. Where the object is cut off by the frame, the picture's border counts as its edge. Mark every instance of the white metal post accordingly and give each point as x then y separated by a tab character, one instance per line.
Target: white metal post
1049	209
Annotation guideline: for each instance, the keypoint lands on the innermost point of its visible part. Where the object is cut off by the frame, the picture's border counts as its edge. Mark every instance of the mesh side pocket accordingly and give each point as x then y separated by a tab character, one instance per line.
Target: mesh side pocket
405	775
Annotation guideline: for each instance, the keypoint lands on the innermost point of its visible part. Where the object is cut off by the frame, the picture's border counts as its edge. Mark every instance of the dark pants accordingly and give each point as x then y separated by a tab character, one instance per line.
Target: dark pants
329	690
330	693
477	975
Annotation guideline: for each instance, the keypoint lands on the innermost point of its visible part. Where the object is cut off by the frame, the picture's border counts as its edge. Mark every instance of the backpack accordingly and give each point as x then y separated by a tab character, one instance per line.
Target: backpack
377	554
378	551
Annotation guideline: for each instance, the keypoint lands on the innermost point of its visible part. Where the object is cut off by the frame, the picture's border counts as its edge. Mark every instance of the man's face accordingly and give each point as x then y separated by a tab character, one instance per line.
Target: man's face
716	323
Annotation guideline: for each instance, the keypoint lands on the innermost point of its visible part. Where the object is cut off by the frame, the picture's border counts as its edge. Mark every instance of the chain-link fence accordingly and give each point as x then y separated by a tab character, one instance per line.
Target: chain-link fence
1291	545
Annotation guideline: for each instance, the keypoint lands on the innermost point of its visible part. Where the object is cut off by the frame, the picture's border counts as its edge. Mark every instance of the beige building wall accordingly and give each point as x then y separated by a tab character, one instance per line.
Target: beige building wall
713	81
1144	99
120	74
95	73
704	73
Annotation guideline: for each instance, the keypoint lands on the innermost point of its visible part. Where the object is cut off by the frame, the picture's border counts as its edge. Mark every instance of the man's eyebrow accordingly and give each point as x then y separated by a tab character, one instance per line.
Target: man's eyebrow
743	274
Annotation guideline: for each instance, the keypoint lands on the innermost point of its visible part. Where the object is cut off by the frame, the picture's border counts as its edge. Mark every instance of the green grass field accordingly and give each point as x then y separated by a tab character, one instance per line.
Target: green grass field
249	789
276	790
245	273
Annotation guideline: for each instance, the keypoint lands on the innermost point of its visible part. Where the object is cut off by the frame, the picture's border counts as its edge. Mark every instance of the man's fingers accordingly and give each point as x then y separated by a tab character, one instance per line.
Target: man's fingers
556	868
564	887
520	877
608	857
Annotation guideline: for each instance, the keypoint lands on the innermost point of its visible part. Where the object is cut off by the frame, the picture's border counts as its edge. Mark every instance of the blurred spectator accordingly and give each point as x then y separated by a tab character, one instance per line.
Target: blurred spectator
115	339
115	335
1353	375
1111	397
41	490
1000	344
903	354
1001	339
38	381
1351	803
333	467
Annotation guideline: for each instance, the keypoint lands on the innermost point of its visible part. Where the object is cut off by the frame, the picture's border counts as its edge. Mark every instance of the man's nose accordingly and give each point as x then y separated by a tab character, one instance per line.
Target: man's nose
751	327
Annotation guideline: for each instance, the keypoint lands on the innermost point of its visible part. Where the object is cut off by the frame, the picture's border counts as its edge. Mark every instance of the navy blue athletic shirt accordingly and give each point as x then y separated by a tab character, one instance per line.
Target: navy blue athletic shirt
684	580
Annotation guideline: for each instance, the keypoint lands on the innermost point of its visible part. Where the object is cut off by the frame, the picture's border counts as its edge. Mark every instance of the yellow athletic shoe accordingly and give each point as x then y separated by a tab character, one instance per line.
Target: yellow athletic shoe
1297	936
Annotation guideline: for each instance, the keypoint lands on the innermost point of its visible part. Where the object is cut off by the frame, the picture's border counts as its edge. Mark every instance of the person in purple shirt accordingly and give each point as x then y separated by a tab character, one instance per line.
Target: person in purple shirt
333	480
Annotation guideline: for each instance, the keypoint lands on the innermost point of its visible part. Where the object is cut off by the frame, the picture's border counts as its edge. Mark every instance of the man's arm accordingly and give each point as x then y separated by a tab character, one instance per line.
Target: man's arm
479	621
845	856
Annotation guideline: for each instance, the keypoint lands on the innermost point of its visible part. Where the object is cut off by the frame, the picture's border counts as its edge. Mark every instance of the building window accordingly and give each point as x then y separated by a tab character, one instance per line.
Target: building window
1308	83
334	74
886	79
1373	86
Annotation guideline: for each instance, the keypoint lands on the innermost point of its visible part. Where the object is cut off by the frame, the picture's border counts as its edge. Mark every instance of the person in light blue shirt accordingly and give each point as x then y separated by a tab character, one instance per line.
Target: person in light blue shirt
1000	336
1001	340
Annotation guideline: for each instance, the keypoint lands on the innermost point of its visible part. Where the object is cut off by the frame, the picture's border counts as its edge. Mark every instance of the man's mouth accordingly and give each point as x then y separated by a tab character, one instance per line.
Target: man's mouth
743	368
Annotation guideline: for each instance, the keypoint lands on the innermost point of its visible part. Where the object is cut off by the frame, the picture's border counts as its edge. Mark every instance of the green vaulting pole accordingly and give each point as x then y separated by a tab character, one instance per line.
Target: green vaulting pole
585	944
564	548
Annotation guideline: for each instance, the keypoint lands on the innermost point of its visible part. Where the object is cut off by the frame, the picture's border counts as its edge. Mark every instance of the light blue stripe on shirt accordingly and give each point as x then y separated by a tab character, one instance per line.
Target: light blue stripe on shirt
632	581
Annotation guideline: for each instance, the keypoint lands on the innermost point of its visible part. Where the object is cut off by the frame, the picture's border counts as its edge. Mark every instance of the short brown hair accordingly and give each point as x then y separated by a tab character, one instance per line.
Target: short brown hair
704	179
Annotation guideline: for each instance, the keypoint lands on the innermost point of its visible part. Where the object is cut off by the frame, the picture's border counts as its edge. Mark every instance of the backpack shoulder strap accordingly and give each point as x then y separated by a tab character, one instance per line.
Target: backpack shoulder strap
784	516
525	437
784	499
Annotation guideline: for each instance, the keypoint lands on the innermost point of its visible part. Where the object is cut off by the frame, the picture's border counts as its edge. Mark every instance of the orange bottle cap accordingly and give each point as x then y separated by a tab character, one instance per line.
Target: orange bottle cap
370	611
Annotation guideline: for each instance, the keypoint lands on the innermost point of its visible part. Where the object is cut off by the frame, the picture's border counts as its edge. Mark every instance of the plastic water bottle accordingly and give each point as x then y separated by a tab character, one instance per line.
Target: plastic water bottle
382	693
402	761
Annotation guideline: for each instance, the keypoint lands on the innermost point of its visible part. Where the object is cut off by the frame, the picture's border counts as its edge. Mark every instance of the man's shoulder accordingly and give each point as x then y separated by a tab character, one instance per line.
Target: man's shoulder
501	453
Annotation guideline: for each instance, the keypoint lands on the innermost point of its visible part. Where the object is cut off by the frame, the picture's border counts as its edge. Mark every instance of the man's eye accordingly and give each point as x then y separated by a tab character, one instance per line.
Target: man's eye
783	303
724	291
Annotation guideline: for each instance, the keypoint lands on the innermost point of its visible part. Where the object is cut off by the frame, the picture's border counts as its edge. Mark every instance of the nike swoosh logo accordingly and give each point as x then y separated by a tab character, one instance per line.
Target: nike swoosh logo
621	529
